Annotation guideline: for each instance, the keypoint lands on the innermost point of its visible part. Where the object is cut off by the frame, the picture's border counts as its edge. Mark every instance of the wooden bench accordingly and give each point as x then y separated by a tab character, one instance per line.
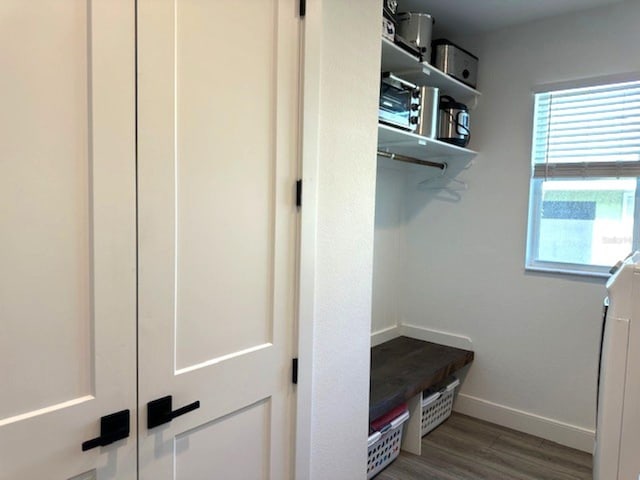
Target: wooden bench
401	369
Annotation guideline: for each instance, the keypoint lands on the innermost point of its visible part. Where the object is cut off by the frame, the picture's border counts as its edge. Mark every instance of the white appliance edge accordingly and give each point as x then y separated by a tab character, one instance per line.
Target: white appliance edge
617	431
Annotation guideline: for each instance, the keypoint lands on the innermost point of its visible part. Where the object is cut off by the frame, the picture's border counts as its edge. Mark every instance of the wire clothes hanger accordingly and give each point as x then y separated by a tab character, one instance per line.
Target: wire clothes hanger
443	181
448	188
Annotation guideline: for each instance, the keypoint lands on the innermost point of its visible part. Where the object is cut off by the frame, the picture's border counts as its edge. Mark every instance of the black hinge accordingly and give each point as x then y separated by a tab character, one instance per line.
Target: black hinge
299	193
294	371
303	7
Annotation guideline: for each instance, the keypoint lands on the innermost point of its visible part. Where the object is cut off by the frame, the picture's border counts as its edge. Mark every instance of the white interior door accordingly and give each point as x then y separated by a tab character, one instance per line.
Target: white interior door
217	138
67	241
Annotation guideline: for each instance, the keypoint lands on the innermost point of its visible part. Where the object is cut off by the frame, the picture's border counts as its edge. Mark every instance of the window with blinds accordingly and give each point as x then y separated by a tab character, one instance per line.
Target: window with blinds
584	185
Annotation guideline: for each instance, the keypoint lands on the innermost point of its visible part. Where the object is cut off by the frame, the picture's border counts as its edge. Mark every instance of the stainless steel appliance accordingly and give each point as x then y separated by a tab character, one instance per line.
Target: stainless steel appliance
390	8
416	28
455	61
388	29
453	122
428	121
399	102
408	47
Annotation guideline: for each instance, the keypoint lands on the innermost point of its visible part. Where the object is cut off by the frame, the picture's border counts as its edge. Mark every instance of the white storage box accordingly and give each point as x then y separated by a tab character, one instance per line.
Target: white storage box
384	446
437	406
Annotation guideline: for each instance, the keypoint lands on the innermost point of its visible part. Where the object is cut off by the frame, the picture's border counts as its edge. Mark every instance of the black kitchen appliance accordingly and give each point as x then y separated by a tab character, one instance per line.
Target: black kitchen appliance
389	9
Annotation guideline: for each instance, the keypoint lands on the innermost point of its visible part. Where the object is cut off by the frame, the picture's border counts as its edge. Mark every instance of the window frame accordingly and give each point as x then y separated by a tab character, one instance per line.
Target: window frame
535	191
533	236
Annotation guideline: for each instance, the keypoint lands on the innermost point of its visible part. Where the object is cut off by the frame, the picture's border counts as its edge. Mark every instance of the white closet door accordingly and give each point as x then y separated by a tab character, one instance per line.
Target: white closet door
67	241
217	137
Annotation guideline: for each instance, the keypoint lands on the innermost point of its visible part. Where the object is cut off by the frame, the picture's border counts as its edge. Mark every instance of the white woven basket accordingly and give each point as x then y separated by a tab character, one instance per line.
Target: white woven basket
437	407
384	447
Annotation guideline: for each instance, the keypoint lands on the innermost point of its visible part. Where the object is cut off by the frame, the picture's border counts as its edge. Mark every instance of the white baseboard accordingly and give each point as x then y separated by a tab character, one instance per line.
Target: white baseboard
563	433
436	336
385	335
421	333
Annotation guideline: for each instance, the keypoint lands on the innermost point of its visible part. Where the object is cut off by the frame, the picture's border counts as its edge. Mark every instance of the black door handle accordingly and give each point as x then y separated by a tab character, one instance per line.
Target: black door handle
159	411
113	427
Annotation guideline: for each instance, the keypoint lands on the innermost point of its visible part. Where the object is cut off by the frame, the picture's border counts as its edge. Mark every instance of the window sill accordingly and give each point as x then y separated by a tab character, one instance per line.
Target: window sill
567	271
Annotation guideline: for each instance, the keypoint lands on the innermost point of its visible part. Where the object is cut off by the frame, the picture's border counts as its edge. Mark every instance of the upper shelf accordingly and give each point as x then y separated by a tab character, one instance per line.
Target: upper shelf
405	65
409	144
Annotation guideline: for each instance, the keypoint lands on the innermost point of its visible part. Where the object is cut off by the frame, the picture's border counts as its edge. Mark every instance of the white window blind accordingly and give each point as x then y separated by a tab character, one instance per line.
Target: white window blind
587	132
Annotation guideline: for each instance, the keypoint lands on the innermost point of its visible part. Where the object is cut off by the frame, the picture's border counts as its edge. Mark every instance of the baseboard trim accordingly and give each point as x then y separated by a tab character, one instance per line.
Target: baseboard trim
421	333
385	335
563	433
436	336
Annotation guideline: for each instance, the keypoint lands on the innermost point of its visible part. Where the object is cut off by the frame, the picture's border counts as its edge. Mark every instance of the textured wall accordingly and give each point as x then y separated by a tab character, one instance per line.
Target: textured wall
346	36
389	231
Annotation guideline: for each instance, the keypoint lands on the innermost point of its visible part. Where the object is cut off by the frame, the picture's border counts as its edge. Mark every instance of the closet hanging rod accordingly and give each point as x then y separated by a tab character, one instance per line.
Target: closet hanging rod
404	158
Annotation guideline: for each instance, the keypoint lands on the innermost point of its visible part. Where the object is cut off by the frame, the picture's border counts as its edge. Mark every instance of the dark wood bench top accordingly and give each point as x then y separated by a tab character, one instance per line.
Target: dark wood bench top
403	367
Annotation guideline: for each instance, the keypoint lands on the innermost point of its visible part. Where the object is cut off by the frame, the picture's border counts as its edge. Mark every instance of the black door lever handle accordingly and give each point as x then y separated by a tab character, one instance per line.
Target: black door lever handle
113	427
160	411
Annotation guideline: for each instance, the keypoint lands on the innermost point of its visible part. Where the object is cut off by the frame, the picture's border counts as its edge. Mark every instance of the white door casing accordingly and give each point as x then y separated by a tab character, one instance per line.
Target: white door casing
217	144
67	247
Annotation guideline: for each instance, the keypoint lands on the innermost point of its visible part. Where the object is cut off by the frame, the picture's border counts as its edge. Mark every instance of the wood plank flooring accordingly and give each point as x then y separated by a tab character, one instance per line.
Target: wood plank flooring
464	448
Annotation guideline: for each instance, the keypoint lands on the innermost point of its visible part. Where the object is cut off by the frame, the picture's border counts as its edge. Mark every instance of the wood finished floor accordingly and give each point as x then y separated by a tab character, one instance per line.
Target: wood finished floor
464	448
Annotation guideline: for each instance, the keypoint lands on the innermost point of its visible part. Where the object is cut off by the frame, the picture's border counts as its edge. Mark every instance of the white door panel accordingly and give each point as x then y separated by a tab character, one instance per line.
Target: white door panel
225	156
67	249
45	291
218	129
234	446
217	123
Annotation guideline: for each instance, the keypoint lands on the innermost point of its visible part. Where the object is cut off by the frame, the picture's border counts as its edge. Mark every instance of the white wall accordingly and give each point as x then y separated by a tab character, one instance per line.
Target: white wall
389	240
536	336
342	62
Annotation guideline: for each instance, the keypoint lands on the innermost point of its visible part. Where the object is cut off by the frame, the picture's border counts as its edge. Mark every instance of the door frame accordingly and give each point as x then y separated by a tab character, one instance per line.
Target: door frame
310	52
